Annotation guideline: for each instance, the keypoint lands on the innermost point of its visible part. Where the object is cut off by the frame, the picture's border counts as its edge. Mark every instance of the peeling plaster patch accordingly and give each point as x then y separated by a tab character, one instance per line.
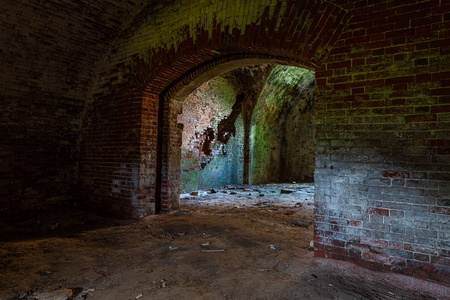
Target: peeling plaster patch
227	127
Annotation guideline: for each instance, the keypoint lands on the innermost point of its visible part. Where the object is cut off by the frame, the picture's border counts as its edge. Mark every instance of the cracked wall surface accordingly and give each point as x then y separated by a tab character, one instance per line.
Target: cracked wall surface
215	163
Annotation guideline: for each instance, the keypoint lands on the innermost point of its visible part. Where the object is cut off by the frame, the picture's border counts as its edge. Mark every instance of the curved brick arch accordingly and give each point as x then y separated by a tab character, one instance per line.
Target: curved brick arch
301	31
189	81
382	97
145	63
304	37
169	133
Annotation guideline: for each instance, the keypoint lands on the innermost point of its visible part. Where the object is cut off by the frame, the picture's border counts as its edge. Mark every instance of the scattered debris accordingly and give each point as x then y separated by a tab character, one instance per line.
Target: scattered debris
212	251
163	283
173	248
232	231
206	236
273	247
63	294
276	265
264	204
139	296
300	223
285	191
83	294
45	272
181	212
205	244
312	277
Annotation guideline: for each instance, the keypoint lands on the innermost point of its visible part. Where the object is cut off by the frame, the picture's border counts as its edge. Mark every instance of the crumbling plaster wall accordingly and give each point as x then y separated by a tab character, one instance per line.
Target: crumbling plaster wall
221	110
222	164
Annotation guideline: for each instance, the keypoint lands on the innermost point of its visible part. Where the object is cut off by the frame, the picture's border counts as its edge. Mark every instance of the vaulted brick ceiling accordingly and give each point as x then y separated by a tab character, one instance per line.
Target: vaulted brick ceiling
56	45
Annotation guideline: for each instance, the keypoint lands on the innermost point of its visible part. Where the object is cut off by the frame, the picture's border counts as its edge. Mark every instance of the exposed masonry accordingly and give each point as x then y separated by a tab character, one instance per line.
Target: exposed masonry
208	138
382	116
283	133
249	81
206	162
226	127
82	83
243	85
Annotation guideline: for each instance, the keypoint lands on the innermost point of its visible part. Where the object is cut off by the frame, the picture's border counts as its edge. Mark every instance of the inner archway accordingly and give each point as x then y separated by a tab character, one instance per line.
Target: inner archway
245	126
268	111
170	131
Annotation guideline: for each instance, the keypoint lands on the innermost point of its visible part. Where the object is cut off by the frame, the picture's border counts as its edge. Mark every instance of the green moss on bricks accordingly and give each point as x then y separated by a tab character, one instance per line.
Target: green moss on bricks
283	88
170	23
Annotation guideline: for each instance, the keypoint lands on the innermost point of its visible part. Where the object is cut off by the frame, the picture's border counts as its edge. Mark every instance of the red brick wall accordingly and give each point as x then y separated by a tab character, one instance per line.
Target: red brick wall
185	54
203	110
383	165
84	88
382	122
48	54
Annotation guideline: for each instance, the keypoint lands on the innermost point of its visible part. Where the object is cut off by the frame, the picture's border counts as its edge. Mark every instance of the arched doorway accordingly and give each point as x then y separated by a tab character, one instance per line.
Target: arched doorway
361	88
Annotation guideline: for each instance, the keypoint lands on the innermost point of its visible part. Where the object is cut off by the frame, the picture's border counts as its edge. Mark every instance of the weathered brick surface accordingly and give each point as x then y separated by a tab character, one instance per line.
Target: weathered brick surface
48	51
165	49
203	109
84	89
283	134
383	128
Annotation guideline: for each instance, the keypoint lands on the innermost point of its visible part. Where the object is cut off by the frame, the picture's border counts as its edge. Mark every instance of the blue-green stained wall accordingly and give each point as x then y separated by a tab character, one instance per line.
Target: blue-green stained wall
202	109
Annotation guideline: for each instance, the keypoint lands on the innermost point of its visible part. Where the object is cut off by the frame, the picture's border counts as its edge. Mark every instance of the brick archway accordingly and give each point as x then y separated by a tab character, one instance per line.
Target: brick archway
375	142
296	32
320	27
169	134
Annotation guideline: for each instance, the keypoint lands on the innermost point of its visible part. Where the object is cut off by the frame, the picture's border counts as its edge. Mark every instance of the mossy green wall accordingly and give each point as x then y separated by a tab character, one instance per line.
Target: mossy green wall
277	151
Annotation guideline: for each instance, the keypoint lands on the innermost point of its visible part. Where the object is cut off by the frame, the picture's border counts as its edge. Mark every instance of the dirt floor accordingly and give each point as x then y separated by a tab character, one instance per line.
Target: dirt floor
237	243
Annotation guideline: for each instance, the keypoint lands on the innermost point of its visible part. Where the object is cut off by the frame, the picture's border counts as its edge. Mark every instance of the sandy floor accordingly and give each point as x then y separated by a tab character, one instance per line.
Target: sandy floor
258	252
